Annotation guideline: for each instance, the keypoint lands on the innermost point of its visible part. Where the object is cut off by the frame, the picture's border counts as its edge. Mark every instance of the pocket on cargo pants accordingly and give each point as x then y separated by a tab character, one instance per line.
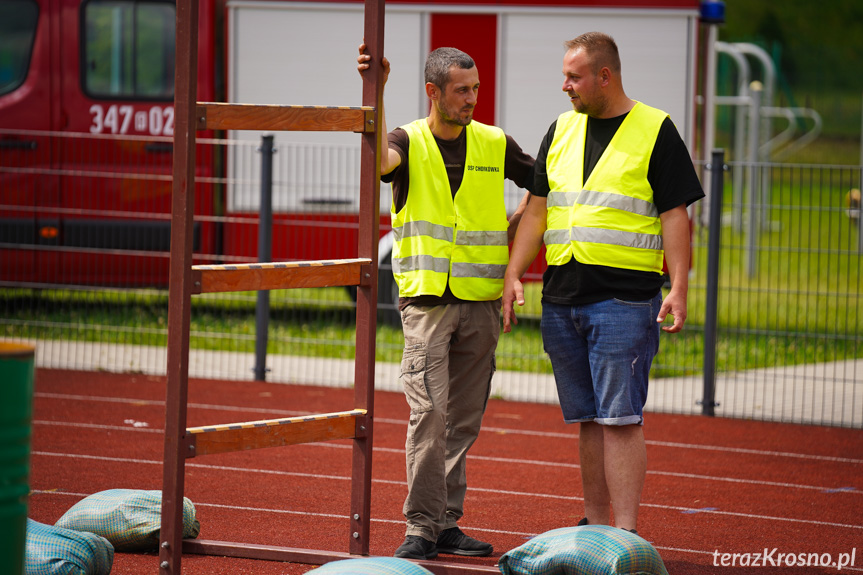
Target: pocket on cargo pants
413	374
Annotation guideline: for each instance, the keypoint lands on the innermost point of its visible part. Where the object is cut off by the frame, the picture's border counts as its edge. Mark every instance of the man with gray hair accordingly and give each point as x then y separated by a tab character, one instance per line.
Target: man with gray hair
451	248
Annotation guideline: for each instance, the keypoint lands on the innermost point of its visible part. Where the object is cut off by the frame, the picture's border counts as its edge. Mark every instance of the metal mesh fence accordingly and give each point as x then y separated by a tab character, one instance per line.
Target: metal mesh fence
84	223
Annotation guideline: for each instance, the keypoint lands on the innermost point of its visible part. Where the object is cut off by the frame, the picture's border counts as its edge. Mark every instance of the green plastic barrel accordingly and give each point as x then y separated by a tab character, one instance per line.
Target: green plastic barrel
16	416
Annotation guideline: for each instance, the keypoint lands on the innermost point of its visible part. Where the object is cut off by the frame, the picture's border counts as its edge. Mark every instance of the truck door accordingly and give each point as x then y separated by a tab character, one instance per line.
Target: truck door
117	85
25	113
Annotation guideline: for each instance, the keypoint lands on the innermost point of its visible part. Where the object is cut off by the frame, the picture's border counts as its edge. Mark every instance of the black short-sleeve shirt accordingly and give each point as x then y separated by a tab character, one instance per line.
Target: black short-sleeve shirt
674	181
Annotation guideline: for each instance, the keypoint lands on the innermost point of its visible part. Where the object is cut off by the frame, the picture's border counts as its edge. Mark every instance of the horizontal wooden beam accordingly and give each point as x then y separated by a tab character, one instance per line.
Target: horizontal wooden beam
250	435
313	557
264	552
286	275
220	116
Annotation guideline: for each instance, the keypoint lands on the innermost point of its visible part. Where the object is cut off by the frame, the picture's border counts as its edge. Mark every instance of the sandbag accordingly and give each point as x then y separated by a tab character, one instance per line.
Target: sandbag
584	550
129	518
371	566
51	550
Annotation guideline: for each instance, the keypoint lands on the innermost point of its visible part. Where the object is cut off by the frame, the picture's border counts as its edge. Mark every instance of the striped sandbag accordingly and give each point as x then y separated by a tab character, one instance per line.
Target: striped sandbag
584	550
51	550
129	518
372	566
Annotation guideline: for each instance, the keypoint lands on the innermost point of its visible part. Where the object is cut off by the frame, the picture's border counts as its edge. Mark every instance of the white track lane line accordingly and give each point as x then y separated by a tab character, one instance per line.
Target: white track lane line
507	460
487	429
473	489
524	535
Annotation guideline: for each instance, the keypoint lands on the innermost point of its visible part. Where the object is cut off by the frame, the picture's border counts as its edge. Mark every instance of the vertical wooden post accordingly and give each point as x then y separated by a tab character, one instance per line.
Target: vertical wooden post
369	233
179	295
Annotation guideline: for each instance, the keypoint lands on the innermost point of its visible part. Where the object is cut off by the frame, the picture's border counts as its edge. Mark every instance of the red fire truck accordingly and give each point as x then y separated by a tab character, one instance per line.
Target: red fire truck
86	117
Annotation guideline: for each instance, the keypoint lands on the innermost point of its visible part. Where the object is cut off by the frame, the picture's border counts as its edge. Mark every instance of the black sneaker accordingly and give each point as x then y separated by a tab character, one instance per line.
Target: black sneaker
416	547
455	542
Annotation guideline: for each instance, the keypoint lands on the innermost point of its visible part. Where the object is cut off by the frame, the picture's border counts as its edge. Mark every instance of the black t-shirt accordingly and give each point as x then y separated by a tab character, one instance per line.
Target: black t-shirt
674	181
518	167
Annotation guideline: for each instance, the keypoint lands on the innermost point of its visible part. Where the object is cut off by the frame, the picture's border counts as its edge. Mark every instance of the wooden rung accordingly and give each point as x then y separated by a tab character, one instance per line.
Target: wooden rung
272	432
221	116
265	552
282	275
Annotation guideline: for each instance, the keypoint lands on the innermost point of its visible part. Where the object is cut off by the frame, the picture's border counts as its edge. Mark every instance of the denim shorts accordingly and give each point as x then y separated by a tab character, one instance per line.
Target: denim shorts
601	355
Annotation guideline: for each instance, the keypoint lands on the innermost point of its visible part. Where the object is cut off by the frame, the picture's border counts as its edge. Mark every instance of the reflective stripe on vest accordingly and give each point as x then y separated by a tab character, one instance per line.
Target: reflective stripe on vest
461	241
611	220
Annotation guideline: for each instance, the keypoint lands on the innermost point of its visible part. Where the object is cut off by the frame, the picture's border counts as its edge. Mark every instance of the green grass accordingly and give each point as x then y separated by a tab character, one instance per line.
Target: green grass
817	319
838	149
843	151
315	323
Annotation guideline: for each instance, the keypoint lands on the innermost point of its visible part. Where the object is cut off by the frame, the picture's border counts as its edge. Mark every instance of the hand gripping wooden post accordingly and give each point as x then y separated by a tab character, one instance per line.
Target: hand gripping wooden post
186	280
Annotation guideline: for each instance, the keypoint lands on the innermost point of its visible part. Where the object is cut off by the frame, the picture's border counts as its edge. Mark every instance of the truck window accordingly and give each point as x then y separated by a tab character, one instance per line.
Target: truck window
17	32
128	49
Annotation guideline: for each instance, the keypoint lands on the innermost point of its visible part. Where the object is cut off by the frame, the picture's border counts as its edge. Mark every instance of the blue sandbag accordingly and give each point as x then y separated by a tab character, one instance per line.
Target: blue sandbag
371	566
583	550
50	550
129	518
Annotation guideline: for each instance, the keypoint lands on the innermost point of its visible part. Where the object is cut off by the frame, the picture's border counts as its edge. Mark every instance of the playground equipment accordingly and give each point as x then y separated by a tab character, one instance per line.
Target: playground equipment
754	141
754	144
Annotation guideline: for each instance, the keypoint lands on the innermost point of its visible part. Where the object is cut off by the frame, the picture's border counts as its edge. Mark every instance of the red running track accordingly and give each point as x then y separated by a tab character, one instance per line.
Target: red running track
715	487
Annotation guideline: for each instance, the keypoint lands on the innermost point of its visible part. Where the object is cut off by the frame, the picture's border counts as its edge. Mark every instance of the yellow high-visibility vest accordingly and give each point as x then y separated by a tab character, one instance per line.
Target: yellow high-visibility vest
464	239
611	220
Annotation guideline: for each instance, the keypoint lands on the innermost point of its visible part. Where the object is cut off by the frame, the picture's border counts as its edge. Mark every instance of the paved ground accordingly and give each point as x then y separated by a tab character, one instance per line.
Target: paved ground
826	393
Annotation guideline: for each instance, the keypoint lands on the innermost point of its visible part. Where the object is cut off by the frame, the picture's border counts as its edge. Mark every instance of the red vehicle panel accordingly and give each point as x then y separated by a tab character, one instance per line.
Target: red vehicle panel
85	144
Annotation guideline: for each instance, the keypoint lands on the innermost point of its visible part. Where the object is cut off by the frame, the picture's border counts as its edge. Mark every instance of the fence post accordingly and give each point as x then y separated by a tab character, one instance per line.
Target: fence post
265	254
717	182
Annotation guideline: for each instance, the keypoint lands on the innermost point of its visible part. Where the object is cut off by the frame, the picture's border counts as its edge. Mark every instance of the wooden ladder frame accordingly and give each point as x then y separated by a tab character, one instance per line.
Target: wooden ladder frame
185	280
